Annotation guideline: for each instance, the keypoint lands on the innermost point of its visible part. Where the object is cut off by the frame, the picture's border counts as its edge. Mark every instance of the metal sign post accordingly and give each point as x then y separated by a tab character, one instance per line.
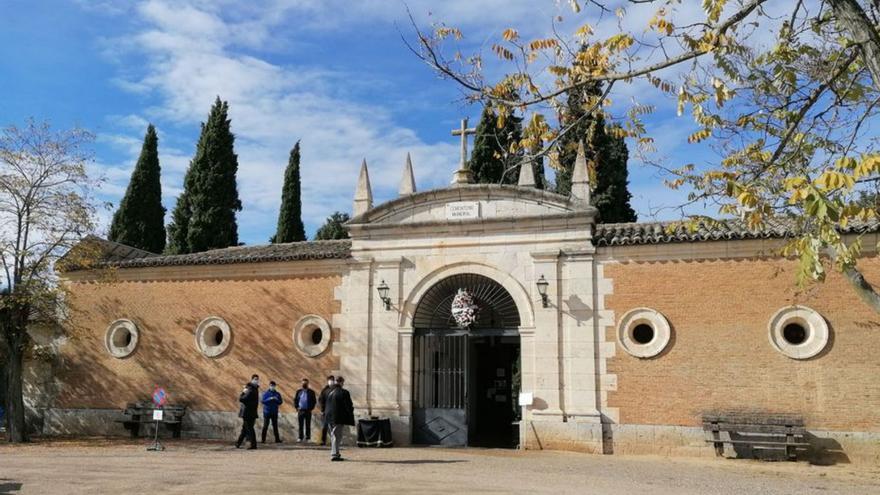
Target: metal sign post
159	399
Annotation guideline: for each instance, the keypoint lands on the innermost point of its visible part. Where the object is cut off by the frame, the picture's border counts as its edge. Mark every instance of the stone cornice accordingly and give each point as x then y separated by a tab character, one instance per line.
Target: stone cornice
471	192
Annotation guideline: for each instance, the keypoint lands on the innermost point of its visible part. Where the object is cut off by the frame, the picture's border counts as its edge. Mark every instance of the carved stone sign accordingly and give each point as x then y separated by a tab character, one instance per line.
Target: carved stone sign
463	210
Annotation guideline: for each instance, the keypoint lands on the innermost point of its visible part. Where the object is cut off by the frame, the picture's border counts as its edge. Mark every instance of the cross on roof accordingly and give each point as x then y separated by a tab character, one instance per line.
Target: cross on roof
463	175
464	132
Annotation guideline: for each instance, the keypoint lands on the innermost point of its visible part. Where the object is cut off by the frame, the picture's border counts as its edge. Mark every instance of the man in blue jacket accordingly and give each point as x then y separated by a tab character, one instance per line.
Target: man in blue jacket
271	401
304	401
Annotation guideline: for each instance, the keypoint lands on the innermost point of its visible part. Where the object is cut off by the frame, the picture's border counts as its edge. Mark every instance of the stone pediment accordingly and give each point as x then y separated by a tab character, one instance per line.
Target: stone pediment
474	203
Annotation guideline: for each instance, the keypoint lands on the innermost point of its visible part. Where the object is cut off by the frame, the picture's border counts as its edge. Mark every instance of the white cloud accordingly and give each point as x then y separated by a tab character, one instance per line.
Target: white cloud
193	55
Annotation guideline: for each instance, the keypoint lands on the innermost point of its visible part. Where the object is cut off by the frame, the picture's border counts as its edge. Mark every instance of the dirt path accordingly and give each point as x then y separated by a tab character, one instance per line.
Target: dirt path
102	466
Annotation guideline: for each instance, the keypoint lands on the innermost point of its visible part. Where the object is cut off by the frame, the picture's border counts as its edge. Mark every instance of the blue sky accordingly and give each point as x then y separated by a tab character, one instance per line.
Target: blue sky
332	74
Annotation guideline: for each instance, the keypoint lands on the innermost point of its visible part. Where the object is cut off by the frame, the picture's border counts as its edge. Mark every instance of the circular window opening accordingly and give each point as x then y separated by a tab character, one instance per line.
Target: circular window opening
317	336
799	332
794	333
311	335
121	338
213	336
643	333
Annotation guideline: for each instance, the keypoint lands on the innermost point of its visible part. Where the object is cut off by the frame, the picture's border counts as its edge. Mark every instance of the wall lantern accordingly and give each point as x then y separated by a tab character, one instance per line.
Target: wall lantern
383	294
542	289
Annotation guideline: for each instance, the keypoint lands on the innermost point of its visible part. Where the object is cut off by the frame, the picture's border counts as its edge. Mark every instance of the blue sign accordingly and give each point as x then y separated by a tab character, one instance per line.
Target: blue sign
159	397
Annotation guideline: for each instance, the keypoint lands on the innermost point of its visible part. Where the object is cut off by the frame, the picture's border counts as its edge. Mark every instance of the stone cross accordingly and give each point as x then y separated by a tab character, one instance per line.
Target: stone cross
463	175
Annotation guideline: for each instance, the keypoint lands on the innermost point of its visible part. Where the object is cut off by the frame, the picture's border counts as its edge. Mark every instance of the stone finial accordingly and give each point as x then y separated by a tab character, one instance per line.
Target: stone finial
408	181
527	173
363	195
580	179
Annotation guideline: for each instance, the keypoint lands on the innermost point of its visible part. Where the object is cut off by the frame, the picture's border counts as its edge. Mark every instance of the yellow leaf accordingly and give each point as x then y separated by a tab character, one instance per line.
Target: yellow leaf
502	52
510	34
584	31
699	135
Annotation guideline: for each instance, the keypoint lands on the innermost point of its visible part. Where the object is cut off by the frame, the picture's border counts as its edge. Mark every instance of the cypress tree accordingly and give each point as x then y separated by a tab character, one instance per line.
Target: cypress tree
581	126
140	220
611	195
493	161
607	151
290	225
204	217
333	228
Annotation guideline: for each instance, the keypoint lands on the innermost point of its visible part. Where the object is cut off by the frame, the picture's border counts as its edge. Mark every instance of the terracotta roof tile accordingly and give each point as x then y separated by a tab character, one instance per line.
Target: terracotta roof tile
629	234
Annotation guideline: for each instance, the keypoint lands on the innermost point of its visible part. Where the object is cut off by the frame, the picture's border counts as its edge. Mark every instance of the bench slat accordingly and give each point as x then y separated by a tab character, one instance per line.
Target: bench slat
781	443
755	428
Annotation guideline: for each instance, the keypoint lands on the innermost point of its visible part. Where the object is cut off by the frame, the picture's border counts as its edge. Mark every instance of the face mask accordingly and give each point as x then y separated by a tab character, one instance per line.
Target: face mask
330	383
271	387
256	383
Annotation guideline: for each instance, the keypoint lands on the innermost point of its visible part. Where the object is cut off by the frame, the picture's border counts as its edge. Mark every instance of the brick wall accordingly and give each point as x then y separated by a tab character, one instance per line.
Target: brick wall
720	356
260	312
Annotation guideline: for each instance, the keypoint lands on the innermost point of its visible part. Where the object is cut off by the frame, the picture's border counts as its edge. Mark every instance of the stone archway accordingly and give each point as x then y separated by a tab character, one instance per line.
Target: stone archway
465	380
518	293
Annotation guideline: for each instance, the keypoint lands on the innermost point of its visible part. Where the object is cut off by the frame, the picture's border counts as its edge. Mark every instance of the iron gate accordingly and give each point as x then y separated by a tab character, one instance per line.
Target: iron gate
440	381
441	354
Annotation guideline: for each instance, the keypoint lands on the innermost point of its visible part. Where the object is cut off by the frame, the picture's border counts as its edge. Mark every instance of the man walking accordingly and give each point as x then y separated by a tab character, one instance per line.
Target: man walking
249	399
322	403
271	401
304	401
339	414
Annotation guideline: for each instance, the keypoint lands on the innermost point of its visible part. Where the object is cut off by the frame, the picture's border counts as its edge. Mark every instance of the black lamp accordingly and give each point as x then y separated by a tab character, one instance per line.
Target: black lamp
383	294
542	289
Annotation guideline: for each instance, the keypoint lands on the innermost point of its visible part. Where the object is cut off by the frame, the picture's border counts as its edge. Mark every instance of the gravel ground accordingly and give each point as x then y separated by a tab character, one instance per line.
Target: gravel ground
105	466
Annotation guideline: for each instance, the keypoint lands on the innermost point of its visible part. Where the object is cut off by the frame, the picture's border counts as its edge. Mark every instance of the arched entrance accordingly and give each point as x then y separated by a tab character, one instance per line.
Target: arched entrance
466	379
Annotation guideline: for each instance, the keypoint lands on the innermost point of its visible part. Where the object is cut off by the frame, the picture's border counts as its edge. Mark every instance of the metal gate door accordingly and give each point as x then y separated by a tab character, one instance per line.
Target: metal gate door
440	362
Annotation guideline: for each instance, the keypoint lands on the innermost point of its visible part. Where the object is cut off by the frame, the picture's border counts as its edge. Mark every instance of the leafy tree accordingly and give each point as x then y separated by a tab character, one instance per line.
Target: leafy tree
791	119
333	227
290	225
46	207
140	220
204	217
495	159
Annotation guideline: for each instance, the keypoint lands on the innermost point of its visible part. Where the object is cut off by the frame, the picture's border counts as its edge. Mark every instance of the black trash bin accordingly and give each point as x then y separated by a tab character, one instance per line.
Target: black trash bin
374	432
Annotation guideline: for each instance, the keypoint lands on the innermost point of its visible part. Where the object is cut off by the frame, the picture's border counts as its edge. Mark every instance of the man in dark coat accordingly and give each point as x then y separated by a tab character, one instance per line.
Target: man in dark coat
304	401
339	413
271	402
322	403
249	399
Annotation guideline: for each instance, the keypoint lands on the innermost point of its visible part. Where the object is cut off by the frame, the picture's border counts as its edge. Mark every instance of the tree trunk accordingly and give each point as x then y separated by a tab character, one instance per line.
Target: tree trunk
13	331
852	19
16	430
864	290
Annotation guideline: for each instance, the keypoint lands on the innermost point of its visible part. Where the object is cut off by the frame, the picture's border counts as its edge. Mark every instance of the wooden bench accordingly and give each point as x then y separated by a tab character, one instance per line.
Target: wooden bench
139	413
757	430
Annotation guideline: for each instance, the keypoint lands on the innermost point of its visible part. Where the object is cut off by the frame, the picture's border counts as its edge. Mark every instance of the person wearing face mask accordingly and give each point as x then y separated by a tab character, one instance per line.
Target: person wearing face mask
304	402
271	401
249	399
322	403
339	414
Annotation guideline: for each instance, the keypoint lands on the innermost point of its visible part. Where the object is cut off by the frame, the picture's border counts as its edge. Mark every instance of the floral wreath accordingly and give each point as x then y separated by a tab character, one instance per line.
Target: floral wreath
464	309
